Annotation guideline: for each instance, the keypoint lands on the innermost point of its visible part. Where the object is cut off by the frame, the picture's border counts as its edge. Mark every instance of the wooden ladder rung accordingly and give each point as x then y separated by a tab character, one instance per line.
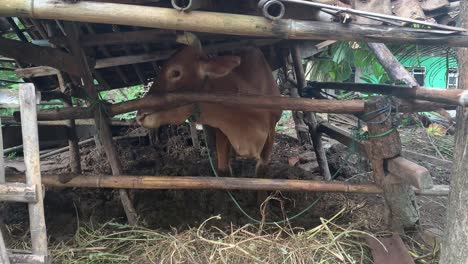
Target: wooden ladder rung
18	192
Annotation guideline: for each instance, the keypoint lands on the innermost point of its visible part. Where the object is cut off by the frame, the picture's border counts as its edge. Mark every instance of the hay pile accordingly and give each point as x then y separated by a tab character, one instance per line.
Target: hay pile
117	243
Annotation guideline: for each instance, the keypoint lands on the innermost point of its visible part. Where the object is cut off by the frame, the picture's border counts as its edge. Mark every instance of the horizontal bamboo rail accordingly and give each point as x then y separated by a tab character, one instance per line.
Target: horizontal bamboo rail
453	97
222	183
222	23
167	101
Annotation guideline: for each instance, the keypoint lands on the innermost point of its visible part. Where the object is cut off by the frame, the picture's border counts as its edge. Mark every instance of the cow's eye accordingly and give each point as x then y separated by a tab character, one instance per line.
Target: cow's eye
175	74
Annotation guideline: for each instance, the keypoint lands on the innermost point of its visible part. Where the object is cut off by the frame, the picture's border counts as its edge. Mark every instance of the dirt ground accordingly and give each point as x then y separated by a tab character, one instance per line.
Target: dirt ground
180	209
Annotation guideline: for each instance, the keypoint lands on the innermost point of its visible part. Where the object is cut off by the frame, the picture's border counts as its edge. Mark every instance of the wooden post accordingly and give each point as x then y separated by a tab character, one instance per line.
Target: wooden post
309	117
27	95
2	161
399	197
4	259
74	149
455	246
298	116
100	118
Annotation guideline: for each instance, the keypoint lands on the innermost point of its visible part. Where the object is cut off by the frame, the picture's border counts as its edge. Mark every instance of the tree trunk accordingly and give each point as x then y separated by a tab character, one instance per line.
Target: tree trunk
455	246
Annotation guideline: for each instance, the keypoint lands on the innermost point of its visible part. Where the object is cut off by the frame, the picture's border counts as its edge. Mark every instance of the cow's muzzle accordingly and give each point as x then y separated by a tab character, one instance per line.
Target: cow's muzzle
140	117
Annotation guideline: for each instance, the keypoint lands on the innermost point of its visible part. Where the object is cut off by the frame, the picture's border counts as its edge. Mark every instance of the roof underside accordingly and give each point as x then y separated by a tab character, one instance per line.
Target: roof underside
136	57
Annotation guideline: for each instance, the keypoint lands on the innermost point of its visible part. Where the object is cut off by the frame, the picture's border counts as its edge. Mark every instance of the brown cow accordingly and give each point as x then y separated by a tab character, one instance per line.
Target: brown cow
249	131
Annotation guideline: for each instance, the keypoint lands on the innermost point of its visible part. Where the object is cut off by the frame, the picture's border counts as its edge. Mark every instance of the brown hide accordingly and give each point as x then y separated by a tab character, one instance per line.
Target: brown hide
249	131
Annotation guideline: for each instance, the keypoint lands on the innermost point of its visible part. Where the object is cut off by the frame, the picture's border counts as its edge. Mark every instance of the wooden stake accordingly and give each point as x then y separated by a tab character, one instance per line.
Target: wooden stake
399	197
74	149
27	95
310	118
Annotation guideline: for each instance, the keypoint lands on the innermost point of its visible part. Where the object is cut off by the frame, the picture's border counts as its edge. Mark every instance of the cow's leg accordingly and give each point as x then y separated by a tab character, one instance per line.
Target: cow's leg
262	162
223	147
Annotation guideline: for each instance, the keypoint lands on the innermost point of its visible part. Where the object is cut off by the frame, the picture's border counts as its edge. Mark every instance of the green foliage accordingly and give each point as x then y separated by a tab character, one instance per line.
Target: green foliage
12	155
337	62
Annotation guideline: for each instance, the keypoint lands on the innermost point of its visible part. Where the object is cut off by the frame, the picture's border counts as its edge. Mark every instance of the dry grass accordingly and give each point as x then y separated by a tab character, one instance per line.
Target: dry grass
117	243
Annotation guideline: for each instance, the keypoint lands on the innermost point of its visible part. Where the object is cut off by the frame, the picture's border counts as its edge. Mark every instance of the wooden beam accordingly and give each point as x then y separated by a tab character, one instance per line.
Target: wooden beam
141	58
100	116
222	23
130	37
309	117
18	192
29	53
36	72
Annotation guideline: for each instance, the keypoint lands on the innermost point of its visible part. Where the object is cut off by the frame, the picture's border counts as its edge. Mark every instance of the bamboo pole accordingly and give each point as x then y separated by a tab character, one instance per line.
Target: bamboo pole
222	183
166	101
29	129
452	97
221	23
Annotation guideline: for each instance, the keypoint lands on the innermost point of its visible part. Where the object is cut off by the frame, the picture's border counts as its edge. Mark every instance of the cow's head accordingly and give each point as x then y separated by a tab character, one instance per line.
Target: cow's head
188	70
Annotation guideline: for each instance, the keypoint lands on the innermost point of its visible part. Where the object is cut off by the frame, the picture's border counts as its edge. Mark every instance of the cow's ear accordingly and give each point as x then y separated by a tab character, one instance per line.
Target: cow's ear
219	66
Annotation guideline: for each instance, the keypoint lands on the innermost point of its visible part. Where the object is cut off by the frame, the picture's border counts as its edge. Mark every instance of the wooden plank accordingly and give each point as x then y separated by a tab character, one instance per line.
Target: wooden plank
29	130
18	192
36	72
410	172
222	23
27	259
37	55
389	250
431	159
4	259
